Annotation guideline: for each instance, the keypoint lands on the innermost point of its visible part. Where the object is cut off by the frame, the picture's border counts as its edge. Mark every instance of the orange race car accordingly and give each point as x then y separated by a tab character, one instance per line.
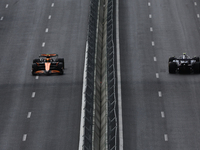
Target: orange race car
48	64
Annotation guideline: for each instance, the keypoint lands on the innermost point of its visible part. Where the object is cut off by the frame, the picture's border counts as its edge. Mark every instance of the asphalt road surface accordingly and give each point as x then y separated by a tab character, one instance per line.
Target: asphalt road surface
160	111
41	112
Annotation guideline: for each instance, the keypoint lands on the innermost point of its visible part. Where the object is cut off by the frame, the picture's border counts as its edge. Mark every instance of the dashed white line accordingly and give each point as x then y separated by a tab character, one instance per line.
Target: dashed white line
198	15
153	43
151	29
24	137
195	3
52	5
150	15
1	18
33	95
157	75
29	115
7	5
159	93
166	137
149	4
47	30
49	17
154	58
162	114
37	77
43	44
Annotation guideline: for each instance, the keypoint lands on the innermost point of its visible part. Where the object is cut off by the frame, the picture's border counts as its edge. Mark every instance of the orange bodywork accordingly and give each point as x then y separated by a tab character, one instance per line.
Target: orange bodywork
47	66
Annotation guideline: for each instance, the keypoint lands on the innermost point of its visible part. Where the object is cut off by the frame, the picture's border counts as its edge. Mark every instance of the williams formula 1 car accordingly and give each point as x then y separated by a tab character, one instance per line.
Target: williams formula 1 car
48	64
184	64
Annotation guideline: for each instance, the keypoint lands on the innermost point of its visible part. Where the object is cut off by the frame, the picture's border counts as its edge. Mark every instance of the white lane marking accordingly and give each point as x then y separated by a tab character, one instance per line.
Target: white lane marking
150	15
52	5
198	16
81	136
159	93
1	18
33	95
49	17
166	137
153	43
157	75
7	5
149	4
29	115
162	114
151	29
37	77
47	30
43	44
195	3
24	137
154	58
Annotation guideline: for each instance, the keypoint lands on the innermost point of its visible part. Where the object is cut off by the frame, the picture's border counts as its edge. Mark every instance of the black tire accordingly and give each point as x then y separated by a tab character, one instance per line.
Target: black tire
34	68
63	62
196	58
36	60
171	59
196	67
60	68
172	67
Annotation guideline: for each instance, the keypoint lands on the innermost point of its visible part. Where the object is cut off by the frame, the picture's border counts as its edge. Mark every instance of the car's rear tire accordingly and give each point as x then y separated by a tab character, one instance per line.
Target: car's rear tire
34	69
172	67
171	59
196	67
60	68
36	60
196	58
63	62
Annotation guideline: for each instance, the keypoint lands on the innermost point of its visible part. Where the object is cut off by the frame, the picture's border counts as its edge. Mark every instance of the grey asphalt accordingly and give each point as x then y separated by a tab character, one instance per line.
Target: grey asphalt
169	120
50	120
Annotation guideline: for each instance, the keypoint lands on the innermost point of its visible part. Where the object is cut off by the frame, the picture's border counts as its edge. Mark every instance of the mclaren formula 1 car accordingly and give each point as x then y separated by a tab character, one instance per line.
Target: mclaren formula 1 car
184	64
48	64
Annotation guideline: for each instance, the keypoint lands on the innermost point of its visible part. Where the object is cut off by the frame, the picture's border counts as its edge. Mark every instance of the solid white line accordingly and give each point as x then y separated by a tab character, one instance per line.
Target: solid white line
166	137
6	5
29	115
49	17
150	15
33	95
149	4
151	29
154	58
157	75
46	30
24	137
43	44
81	136
120	119
37	77
159	93
162	114
52	5
153	43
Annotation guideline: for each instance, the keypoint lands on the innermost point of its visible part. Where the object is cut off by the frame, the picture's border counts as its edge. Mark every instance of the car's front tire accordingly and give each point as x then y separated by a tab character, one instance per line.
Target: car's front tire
196	67
172	67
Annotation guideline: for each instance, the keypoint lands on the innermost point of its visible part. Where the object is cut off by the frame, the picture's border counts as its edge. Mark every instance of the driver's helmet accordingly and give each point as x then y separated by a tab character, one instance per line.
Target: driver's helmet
48	59
185	56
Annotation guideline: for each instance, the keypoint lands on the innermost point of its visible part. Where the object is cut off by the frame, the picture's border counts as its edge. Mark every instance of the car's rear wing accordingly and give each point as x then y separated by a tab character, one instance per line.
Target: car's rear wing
48	55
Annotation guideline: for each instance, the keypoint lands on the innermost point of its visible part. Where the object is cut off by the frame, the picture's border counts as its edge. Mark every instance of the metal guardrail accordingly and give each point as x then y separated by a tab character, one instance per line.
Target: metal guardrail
106	139
111	75
90	77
